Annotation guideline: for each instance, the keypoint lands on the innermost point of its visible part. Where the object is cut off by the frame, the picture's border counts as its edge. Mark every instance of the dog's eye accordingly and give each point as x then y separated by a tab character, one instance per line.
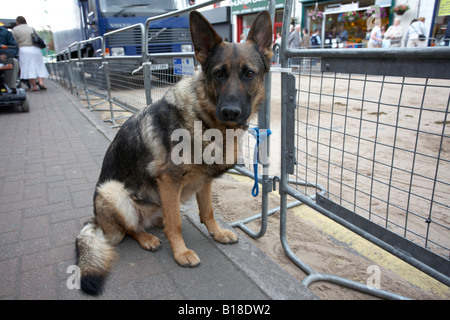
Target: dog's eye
219	73
249	74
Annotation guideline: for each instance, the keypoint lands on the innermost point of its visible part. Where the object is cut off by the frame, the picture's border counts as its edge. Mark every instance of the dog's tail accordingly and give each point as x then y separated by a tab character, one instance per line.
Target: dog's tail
95	255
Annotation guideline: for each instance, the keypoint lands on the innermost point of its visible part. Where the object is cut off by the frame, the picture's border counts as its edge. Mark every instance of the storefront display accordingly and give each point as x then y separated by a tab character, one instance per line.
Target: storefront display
247	10
344	24
441	23
347	23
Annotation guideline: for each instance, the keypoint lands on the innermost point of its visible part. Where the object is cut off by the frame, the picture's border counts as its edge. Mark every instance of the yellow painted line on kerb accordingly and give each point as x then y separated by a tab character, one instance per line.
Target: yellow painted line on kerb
372	252
365	247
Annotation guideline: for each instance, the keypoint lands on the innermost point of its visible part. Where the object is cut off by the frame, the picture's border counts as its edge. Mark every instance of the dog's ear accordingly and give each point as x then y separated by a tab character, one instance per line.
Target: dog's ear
203	36
261	34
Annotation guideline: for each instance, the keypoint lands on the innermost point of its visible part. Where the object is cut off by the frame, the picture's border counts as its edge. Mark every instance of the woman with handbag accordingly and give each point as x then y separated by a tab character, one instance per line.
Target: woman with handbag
30	56
416	35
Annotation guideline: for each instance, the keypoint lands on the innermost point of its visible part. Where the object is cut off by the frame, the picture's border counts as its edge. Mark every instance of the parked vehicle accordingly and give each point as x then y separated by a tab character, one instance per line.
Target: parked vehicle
87	19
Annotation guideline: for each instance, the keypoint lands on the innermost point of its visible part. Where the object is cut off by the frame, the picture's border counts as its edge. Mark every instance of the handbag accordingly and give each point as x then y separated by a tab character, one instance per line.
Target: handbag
386	43
422	37
37	41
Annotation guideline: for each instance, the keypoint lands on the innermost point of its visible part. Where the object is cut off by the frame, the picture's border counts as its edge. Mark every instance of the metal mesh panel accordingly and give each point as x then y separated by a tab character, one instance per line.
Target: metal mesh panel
379	145
76	74
94	76
162	78
61	73
127	83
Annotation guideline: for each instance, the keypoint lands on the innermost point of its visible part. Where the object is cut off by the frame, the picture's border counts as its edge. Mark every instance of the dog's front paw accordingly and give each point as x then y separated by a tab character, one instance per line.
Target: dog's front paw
225	236
153	244
187	259
147	241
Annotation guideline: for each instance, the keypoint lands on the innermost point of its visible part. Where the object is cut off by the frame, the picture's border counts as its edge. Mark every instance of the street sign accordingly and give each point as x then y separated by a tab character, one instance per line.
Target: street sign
183	66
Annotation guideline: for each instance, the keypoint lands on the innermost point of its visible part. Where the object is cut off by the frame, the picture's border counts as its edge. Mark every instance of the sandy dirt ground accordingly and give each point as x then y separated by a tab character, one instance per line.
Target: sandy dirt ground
323	245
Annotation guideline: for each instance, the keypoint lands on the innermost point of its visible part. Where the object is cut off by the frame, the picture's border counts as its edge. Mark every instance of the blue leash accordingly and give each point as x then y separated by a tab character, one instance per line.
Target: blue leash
260	137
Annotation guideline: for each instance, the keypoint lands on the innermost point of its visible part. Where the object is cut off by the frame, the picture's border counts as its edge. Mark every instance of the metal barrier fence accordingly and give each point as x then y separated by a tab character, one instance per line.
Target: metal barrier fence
365	134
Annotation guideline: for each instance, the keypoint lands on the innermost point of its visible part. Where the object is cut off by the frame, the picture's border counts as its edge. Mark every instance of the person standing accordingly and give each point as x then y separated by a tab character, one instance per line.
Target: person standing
315	39
395	34
30	57
294	43
416	34
375	37
343	36
305	44
306	39
294	37
278	40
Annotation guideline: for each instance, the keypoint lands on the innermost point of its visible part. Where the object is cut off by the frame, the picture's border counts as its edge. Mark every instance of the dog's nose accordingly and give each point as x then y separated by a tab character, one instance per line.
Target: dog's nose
231	113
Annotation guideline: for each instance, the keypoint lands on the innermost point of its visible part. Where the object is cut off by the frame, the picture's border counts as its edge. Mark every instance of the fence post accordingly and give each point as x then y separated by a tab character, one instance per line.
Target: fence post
349	65
147	82
69	71
105	65
83	75
266	182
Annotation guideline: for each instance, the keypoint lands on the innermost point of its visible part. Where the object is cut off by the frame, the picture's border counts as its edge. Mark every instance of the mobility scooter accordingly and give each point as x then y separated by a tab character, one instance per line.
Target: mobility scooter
10	96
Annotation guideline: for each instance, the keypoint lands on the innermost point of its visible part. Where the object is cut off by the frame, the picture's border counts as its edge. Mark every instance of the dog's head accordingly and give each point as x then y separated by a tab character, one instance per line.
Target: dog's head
234	73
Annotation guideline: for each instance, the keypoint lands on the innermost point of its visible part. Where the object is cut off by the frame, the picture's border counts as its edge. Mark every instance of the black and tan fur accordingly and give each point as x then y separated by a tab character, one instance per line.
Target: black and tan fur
139	182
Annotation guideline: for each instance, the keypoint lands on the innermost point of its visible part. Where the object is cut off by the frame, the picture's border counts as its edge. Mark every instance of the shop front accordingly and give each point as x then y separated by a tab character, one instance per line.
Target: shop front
245	12
441	23
345	24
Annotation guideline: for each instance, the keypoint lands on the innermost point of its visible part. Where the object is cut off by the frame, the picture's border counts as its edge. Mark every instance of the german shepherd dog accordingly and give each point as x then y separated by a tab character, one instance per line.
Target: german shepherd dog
139	181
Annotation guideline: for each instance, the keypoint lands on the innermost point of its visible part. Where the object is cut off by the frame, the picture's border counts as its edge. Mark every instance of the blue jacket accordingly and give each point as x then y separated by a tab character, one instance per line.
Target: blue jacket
6	38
